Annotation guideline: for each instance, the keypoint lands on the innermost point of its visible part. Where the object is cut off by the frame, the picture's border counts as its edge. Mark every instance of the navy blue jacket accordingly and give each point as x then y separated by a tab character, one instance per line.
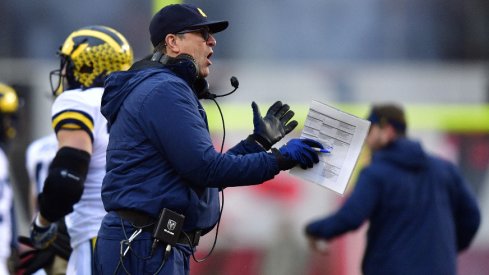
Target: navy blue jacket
160	153
420	209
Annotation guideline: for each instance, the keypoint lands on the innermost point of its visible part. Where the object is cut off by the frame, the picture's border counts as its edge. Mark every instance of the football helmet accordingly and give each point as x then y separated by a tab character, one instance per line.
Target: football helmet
9	106
87	56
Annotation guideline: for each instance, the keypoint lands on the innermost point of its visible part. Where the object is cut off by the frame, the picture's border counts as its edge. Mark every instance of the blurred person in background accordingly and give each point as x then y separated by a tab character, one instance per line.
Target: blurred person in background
163	172
420	210
9	105
73	183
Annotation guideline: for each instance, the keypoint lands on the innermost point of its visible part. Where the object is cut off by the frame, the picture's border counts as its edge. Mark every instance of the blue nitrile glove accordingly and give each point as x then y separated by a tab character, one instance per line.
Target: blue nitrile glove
42	237
274	126
298	151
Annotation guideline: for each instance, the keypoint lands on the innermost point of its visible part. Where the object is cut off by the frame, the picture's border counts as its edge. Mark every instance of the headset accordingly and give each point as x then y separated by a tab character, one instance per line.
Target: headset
188	67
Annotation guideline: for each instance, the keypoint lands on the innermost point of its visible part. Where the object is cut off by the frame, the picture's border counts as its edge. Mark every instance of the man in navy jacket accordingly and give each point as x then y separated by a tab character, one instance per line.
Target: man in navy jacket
420	210
160	157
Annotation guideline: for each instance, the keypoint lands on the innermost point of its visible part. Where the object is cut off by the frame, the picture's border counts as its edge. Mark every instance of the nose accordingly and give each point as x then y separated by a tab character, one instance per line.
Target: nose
211	41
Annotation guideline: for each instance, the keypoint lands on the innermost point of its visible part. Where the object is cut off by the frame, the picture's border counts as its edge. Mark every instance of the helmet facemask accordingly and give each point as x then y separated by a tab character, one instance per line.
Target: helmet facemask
8	125
63	79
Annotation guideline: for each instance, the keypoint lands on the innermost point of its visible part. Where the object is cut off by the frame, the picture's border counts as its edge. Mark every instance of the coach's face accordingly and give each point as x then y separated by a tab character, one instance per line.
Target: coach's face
198	44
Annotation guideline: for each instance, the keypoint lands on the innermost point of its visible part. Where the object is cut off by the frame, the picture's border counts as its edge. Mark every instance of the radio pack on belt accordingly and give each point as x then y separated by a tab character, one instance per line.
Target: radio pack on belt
169	226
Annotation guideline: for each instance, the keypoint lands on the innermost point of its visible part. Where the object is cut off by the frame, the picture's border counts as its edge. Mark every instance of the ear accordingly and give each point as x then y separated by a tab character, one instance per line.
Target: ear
390	132
172	44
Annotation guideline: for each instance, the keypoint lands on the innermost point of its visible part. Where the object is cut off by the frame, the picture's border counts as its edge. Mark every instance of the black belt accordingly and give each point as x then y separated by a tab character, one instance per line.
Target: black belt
147	223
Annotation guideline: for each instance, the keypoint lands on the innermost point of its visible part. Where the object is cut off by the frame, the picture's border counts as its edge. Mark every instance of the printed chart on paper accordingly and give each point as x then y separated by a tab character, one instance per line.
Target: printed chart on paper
344	133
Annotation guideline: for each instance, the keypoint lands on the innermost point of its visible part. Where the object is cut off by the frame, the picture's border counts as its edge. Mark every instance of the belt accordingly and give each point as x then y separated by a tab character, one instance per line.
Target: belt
147	223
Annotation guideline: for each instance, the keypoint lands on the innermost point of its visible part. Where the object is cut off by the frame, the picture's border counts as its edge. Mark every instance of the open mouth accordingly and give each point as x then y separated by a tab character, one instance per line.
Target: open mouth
209	58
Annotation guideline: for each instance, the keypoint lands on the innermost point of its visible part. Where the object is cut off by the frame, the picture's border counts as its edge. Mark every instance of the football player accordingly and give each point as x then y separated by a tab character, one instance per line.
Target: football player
9	105
73	185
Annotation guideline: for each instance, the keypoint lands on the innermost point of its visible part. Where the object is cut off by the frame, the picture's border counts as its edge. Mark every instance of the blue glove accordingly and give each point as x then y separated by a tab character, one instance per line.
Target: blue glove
298	151
274	126
42	237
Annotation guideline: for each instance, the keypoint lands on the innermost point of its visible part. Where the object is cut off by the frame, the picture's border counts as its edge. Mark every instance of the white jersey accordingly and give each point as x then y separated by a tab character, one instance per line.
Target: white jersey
6	201
77	109
38	157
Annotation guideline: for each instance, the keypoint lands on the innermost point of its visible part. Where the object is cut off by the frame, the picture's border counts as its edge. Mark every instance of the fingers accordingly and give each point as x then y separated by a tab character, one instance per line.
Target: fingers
318	245
256	114
306	162
281	111
286	116
322	247
311	156
314	156
312	243
275	108
306	158
312	143
25	241
25	259
291	126
256	110
309	150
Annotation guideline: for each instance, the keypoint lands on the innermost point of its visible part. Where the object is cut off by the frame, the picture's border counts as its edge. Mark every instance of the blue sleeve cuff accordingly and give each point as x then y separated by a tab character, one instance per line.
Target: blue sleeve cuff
247	146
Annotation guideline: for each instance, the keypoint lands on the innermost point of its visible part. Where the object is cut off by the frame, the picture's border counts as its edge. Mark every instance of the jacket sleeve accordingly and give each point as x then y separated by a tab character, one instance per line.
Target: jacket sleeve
466	212
354	212
174	121
247	146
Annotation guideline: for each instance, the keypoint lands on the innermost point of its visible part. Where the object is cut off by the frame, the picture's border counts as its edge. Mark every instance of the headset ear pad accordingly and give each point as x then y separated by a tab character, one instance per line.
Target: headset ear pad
182	64
185	66
189	61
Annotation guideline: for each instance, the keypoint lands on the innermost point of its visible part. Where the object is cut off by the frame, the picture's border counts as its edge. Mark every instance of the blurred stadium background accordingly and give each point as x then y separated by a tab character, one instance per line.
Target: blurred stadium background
429	55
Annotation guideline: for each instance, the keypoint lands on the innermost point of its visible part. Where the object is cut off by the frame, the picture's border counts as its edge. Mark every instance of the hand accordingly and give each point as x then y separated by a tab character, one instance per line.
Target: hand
274	126
32	259
42	237
298	151
318	245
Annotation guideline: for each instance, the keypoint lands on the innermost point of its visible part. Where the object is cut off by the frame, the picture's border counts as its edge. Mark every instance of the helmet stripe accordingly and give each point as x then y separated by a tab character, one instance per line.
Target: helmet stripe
118	37
100	35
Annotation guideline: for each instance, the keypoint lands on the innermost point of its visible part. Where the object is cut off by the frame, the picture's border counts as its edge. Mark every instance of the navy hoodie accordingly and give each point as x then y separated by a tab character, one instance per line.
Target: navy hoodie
420	210
160	153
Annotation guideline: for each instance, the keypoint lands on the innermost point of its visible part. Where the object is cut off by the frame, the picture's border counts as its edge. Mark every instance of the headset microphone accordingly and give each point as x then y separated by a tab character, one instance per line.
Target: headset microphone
234	83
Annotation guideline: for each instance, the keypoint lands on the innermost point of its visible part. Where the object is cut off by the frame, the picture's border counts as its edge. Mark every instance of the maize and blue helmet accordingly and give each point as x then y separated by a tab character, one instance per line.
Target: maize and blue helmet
9	107
87	56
